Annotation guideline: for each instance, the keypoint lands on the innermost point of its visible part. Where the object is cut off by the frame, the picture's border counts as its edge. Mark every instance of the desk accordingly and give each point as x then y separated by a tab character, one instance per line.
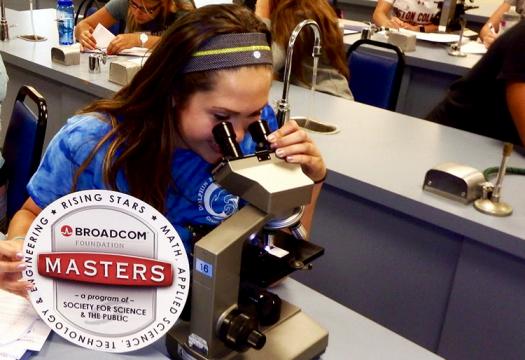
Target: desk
434	271
429	71
351	336
66	88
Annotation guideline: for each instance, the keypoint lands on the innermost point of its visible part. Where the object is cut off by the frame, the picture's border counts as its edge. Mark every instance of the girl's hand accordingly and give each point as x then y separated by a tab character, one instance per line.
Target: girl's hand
396	23
489	39
87	40
122	42
295	146
11	267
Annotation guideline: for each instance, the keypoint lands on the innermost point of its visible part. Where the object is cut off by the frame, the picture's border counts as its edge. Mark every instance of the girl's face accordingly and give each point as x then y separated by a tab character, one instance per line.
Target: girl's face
238	96
144	10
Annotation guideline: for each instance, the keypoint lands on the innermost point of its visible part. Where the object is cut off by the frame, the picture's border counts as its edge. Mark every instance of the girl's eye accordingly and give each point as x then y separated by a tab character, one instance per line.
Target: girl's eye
221	117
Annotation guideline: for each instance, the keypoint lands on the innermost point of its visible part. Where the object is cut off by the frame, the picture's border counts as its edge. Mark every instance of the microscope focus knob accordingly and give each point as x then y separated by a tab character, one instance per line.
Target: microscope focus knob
240	331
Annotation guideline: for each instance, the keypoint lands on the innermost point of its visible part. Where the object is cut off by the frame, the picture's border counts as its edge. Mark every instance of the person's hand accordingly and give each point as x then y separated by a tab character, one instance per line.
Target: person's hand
396	23
489	39
411	27
123	41
295	146
11	267
86	39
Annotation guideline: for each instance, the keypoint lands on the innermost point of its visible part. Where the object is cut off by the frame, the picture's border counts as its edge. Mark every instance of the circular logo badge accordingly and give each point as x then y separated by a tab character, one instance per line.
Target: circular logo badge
110	272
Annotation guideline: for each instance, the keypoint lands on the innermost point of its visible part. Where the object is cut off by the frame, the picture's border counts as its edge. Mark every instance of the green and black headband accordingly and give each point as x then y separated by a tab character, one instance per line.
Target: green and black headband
229	51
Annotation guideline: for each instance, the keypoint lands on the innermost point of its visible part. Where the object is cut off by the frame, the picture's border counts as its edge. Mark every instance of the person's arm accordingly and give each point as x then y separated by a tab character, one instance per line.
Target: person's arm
428	28
84	29
490	30
262	9
515	92
381	15
11	264
126	41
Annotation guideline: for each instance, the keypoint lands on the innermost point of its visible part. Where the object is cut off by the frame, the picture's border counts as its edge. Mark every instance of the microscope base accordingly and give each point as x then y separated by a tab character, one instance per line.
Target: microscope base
296	337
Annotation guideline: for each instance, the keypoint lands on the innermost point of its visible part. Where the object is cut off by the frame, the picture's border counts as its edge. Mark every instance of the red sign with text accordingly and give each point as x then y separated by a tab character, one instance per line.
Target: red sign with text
106	269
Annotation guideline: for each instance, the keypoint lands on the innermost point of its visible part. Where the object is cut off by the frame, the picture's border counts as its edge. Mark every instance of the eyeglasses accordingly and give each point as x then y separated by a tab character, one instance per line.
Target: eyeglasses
143	8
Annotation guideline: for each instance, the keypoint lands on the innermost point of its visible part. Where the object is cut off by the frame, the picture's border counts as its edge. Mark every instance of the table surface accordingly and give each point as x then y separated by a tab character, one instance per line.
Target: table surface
399	149
431	56
383	156
36	56
351	336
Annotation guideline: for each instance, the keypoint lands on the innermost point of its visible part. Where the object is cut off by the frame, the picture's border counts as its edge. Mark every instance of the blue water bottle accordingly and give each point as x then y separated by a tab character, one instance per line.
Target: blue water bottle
65	21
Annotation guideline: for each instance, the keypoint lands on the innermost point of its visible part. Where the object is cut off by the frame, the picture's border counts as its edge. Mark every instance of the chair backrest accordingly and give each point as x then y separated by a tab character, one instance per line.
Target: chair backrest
23	144
375	74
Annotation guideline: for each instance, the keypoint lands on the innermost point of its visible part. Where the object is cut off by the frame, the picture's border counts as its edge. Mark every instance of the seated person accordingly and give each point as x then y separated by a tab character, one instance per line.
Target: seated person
282	16
415	15
148	17
490	99
490	30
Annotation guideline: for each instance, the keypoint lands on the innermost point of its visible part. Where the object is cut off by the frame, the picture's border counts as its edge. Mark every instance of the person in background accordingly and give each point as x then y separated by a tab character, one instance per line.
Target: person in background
490	99
153	139
282	16
145	21
489	31
415	15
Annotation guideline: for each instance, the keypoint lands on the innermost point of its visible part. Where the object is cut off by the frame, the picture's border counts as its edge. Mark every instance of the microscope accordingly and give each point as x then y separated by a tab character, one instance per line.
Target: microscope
233	315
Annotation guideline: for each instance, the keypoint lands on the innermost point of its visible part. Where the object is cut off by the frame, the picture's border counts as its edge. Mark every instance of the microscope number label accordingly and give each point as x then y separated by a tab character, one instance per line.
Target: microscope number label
204	268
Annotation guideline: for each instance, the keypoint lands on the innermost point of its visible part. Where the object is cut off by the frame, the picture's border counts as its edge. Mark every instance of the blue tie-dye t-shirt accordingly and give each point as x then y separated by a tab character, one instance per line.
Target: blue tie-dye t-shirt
196	199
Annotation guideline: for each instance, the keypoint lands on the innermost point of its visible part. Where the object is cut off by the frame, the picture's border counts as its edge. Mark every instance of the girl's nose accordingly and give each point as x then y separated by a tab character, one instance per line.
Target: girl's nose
239	131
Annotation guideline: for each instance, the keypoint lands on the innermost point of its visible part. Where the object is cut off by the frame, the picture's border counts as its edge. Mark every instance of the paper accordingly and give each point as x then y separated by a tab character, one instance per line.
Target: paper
16	317
102	36
136	51
349	32
200	3
473	47
352	25
21	330
433	37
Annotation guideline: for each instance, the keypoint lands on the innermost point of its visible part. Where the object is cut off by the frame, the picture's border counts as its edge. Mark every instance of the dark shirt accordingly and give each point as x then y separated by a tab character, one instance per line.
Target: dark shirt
477	102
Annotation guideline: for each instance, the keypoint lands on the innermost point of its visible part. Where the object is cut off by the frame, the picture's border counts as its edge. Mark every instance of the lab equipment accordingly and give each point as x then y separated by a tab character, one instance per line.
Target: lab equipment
490	202
232	312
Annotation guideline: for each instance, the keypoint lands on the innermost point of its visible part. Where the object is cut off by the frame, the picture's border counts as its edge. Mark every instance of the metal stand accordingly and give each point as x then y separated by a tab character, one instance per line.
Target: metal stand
455	49
490	207
4	28
490	201
32	37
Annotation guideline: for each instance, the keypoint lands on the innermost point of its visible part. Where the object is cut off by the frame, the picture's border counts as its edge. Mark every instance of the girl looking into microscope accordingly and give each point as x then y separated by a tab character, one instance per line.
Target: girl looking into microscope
154	139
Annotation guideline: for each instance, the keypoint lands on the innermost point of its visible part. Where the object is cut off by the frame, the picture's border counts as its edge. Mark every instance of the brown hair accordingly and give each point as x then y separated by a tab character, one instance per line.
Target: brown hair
167	7
286	14
144	114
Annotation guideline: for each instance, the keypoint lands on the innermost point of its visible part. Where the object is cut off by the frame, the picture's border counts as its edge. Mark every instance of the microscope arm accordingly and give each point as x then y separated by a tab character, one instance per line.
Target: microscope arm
215	292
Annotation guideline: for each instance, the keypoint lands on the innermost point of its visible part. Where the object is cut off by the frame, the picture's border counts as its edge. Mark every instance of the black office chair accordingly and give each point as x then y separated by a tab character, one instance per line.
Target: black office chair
376	70
23	144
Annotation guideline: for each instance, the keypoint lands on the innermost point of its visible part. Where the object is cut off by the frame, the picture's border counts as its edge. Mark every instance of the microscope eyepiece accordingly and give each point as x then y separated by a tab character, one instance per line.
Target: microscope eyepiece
259	131
226	139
